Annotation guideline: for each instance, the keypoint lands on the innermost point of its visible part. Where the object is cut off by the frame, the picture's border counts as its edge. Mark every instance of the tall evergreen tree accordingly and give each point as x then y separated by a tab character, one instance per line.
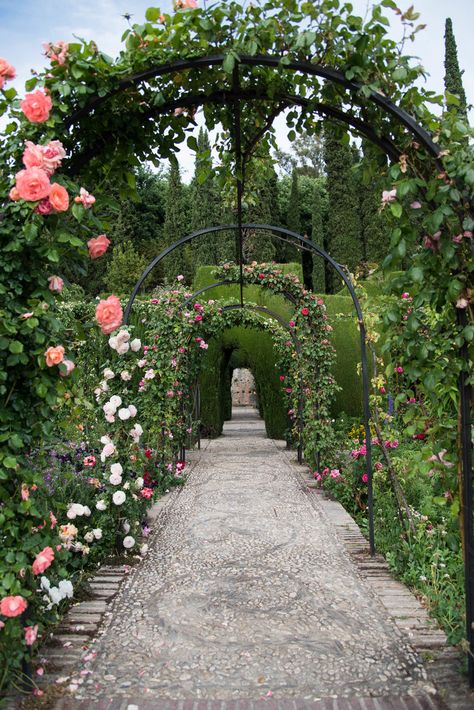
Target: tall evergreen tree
204	211
375	231
317	235
453	76
293	218
343	224
173	227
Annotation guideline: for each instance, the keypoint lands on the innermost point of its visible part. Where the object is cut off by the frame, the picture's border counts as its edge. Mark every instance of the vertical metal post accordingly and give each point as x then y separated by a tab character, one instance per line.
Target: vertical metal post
240	180
368	434
198	414
465	396
300	422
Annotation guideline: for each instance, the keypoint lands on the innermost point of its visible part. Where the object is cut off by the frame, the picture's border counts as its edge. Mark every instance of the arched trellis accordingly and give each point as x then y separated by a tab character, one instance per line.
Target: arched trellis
386	143
284	235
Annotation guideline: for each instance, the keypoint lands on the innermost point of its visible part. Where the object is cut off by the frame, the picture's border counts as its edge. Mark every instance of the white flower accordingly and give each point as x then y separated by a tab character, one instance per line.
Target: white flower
113	342
97	532
115	401
71	514
141	363
87	510
123	348
139	483
108	373
75	510
136	344
109	408
115	479
105	440
116	468
109	418
126	486
149	374
144	549
119	497
126	376
126	527
85	550
123	336
124	413
128	542
101	505
66	588
104	386
45	583
136	433
133	410
55	595
89	536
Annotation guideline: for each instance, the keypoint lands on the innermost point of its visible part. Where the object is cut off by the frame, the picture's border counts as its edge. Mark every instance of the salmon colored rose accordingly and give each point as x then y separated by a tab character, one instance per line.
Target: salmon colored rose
98	246
14	194
6	69
32	184
31	632
58	197
47	157
43	560
54	355
109	314
12	606
32	156
36	106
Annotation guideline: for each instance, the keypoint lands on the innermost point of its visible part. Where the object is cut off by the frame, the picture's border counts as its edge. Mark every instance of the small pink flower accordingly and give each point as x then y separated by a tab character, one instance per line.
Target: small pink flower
43	560
90	461
12	606
291	323
415	205
405	295
365	478
69	367
25	492
457	239
31	632
85	198
52	519
197	318
180	277
56	284
378	466
389	196
399	369
27	315
462	303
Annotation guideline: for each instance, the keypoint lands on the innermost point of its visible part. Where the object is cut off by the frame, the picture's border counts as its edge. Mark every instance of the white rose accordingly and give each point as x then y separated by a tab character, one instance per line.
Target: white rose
119	497
123	348
55	595
115	401
124	413
97	532
101	505
128	542
109	409
139	482
66	588
144	549
108	373
126	527
115	479
141	363
45	583
136	344
126	376
89	536
123	336
104	386
116	468
105	440
113	342
87	510
126	486
86	550
149	374
71	514
133	410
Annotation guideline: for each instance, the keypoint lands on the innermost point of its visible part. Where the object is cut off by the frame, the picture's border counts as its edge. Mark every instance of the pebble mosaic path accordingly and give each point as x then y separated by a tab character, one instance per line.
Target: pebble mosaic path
248	595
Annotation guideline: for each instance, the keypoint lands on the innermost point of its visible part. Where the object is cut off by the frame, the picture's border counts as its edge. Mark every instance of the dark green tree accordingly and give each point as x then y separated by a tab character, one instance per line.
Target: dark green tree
319	217
204	208
375	231
174	225
343	224
124	268
453	76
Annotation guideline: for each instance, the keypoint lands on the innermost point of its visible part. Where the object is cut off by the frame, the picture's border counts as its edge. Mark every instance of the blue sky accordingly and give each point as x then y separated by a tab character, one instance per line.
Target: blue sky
26	24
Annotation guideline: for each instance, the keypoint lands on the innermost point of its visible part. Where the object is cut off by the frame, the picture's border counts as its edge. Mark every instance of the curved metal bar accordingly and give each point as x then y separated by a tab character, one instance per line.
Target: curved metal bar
324	72
385	144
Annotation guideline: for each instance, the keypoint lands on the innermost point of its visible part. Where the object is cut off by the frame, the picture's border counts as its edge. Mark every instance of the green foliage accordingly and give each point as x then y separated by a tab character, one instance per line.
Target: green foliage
318	221
174	225
124	269
453	76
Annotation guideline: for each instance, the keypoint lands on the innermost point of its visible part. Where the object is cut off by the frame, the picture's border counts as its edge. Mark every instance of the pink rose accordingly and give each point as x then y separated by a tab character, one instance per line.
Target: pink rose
109	314
54	355
36	106
389	196
43	560
14	194
31	632
56	284
44	207
6	69
98	246
33	155
69	365
365	478
52	519
56	51
59	198
32	184
86	199
12	606
53	153
180	277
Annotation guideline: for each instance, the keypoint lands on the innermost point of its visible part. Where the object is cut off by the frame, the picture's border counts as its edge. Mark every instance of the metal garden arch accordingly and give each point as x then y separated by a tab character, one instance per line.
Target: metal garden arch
234	95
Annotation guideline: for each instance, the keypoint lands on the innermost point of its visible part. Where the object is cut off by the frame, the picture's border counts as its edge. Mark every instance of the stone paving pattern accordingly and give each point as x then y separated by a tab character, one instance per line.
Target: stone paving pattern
248	593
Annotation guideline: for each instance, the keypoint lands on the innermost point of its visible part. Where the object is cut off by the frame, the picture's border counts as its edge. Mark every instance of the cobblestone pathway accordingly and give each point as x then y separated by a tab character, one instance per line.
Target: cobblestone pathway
247	593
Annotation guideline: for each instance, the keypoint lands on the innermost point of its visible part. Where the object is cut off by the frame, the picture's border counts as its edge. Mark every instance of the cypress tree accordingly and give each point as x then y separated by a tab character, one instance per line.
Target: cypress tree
375	232
453	76
173	227
125	268
343	225
317	236
204	211
293	218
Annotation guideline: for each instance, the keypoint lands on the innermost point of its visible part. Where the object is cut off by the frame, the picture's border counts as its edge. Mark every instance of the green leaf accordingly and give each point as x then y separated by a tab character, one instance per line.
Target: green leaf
9	462
152	14
229	63
396	209
15	347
